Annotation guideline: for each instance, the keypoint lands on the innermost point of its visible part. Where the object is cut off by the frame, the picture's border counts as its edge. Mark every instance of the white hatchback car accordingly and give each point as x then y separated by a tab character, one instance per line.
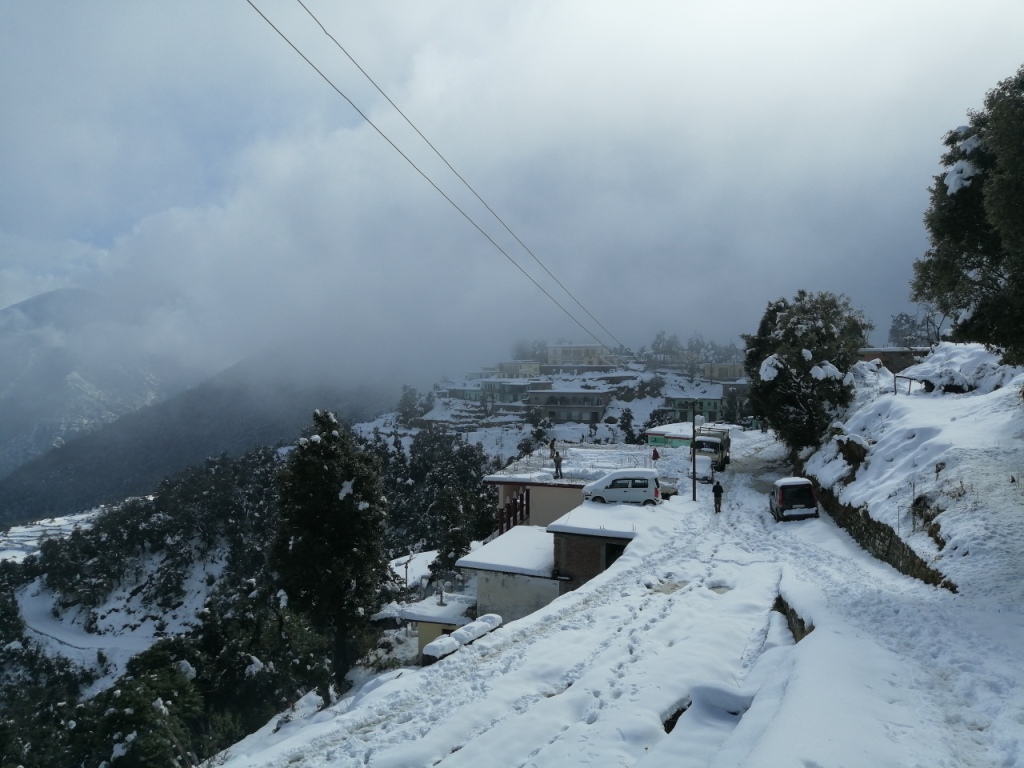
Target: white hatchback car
631	486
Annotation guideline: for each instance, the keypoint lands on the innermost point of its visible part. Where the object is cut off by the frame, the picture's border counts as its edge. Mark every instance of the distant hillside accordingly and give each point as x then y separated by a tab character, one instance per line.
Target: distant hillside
65	370
257	402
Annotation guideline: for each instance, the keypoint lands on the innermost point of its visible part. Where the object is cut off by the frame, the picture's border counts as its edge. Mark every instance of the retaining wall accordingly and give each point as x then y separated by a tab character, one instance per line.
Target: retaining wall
881	540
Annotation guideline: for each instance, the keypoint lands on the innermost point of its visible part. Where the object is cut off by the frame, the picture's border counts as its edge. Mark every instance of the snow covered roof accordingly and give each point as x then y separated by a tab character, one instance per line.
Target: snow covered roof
679	430
787	481
456	604
581	463
617	521
578	389
698	390
525	549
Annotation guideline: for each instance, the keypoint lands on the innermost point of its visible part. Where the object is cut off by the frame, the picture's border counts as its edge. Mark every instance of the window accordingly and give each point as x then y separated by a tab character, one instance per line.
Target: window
620	483
640	482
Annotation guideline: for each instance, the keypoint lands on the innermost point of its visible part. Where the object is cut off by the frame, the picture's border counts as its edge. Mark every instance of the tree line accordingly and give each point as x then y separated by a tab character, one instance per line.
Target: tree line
297	542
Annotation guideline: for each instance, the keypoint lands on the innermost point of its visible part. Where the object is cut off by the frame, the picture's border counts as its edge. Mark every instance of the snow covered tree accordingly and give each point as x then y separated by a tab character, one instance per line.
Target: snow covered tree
453	530
329	551
974	269
442	462
798	364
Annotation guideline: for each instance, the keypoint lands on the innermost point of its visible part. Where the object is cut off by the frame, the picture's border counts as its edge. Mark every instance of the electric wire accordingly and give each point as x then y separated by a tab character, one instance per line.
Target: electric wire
459	175
430	181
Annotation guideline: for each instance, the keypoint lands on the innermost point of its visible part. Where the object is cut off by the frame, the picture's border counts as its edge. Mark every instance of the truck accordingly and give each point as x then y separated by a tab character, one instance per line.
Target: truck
713	442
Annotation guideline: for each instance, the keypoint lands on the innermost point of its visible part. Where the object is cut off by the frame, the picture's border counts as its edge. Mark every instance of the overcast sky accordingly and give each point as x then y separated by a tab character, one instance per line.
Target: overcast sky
676	165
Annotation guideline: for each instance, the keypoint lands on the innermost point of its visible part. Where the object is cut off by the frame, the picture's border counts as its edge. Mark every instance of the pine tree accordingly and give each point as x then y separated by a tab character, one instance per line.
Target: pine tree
439	460
626	425
452	531
329	551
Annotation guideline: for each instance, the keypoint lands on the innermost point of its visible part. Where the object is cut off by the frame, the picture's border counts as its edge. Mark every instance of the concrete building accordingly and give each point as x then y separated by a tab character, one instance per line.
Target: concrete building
579	354
576	404
513	572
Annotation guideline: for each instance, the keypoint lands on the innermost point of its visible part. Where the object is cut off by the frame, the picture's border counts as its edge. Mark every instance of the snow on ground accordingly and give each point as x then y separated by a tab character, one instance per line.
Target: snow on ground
20	541
963	453
124	628
894	673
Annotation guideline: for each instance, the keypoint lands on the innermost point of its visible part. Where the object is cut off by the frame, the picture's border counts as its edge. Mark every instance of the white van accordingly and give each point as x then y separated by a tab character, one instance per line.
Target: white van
793	498
631	486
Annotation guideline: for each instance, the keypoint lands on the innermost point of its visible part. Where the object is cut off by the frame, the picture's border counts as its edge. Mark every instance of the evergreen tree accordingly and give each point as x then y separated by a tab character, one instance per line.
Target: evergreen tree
974	269
798	362
731	406
408	405
329	551
453	527
440	461
626	425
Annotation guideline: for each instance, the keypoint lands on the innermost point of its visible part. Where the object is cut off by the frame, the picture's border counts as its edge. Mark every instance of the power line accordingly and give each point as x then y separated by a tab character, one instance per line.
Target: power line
459	175
427	178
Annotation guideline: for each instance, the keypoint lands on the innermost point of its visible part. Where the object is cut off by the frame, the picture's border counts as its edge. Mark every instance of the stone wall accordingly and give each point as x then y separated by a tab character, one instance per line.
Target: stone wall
881	541
797	626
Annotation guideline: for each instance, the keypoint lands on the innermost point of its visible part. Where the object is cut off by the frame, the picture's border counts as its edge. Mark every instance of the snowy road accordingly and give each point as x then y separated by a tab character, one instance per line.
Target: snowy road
895	673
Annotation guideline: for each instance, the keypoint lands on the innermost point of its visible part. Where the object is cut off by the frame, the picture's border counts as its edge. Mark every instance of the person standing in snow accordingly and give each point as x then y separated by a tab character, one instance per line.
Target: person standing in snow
717	490
552	447
654	456
558	466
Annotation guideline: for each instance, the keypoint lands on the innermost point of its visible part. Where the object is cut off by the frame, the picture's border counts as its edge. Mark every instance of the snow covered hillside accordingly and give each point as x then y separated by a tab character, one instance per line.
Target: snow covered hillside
675	657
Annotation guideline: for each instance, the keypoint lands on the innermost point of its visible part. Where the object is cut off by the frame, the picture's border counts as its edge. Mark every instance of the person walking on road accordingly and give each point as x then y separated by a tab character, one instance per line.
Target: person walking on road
717	490
558	466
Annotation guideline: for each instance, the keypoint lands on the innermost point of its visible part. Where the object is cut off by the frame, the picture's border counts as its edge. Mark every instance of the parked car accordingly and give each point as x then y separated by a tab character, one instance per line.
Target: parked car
631	486
668	490
793	498
705	468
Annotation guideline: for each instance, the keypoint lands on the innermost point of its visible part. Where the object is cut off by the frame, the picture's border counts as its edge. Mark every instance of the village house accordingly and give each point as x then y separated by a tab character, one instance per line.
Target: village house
590	538
529	493
513	573
519	369
582	404
697	398
676	435
722	371
571	355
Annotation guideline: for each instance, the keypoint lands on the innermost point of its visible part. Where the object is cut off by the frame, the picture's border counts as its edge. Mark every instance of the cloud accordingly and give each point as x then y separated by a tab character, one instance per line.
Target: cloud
675	165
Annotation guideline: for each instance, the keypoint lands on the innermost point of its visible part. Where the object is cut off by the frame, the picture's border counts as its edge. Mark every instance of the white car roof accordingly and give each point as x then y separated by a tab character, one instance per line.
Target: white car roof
792	481
638	472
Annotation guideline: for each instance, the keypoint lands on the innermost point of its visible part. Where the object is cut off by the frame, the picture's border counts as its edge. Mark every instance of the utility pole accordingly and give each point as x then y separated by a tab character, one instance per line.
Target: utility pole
693	446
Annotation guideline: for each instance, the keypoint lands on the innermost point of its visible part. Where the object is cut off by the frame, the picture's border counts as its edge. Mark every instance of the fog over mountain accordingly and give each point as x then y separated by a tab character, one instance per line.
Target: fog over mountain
67	366
676	165
263	400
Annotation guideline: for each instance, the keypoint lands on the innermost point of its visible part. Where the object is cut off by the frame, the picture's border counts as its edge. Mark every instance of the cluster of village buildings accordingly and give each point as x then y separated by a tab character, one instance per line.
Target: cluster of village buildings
549	541
521	384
